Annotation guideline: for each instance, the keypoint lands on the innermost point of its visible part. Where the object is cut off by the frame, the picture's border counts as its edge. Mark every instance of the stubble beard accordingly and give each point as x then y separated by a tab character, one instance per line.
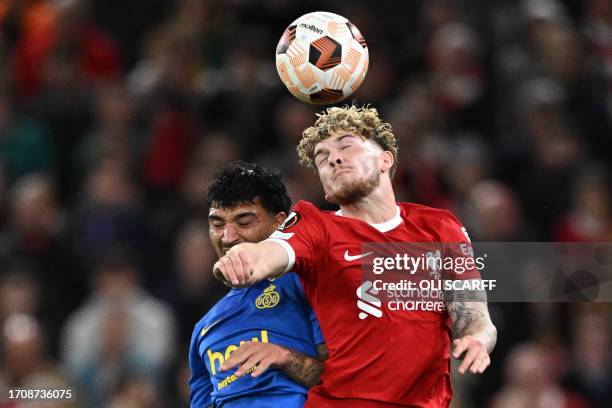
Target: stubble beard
356	190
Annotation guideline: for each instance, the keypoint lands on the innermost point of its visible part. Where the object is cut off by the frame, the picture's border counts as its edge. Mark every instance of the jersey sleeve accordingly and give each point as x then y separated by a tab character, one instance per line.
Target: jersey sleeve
302	235
458	246
200	386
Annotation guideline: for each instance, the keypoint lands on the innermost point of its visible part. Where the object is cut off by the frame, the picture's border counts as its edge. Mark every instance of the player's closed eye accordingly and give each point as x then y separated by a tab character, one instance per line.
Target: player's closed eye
244	220
217	224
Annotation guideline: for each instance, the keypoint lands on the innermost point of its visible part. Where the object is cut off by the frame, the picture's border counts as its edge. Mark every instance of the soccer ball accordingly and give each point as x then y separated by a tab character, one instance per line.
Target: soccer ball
322	58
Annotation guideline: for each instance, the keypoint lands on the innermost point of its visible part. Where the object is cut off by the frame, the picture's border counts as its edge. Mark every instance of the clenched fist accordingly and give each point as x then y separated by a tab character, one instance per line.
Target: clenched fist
234	268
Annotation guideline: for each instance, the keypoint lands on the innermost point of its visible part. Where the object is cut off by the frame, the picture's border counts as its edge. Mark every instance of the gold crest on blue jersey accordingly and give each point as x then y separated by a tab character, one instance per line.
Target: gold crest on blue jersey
268	299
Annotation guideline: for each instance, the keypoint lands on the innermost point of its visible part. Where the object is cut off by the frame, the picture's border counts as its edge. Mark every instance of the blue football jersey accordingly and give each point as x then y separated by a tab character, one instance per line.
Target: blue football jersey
270	312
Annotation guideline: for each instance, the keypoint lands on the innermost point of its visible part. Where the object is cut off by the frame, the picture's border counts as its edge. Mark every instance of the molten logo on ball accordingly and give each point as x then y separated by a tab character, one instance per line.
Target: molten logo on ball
322	58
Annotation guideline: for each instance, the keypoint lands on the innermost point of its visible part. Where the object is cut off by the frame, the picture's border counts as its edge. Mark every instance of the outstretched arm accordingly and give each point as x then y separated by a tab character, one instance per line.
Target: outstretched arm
474	333
255	358
248	263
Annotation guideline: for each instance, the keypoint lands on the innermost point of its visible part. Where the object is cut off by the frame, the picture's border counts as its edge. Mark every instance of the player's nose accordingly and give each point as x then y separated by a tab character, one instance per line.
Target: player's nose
335	158
230	236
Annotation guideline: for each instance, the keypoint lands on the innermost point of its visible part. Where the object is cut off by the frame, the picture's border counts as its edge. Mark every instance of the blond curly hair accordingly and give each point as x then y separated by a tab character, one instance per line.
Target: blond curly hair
362	120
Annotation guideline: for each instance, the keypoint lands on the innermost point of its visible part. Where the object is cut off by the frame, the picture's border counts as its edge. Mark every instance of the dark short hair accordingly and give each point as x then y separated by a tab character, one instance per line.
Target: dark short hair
241	183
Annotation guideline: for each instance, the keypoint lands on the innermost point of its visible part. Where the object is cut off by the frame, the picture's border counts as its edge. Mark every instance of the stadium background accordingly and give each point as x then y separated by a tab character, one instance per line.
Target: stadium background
114	116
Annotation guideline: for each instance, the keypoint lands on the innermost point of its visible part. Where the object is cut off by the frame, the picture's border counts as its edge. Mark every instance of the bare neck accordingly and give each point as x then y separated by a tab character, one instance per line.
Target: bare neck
378	207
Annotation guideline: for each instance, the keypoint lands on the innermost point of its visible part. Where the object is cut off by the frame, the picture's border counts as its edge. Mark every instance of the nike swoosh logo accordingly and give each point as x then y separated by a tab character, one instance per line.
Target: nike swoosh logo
350	258
206	329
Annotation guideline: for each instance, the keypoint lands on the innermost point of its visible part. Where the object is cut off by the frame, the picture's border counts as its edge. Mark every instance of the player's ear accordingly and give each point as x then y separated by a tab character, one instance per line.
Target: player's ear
386	161
279	218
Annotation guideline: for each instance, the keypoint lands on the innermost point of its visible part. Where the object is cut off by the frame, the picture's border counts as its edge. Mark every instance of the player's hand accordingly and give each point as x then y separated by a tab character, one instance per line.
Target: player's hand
255	357
234	268
473	353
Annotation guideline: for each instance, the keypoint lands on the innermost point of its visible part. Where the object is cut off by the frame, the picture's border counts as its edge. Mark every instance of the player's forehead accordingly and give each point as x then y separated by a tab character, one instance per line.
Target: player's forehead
236	211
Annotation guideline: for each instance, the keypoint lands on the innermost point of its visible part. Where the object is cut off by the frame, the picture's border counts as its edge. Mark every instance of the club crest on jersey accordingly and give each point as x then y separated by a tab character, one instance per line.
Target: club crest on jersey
290	221
268	299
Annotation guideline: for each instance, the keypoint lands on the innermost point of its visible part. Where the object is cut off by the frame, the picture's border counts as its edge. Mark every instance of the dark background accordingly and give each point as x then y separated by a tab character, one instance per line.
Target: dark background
115	115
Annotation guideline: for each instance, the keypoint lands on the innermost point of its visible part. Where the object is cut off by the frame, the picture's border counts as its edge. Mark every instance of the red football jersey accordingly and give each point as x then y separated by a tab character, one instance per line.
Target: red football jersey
387	359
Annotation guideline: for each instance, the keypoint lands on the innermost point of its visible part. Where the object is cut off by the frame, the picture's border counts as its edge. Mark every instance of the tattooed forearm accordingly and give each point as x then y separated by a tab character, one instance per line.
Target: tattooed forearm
322	352
303	369
470	316
463	313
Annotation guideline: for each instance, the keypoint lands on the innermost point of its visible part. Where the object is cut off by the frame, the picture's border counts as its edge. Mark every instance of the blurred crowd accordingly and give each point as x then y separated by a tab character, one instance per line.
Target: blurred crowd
115	115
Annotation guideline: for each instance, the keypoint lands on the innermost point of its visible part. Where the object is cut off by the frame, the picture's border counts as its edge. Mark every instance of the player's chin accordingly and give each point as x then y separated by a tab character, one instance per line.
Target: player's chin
331	198
349	195
344	181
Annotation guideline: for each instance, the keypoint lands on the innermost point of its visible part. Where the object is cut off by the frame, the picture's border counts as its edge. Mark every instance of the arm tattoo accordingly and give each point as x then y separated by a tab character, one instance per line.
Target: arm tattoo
470	316
463	313
322	352
304	369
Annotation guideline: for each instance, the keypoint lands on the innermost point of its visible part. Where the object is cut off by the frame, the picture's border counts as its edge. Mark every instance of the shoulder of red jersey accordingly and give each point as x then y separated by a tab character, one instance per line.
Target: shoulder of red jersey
428	213
306	207
302	211
443	220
